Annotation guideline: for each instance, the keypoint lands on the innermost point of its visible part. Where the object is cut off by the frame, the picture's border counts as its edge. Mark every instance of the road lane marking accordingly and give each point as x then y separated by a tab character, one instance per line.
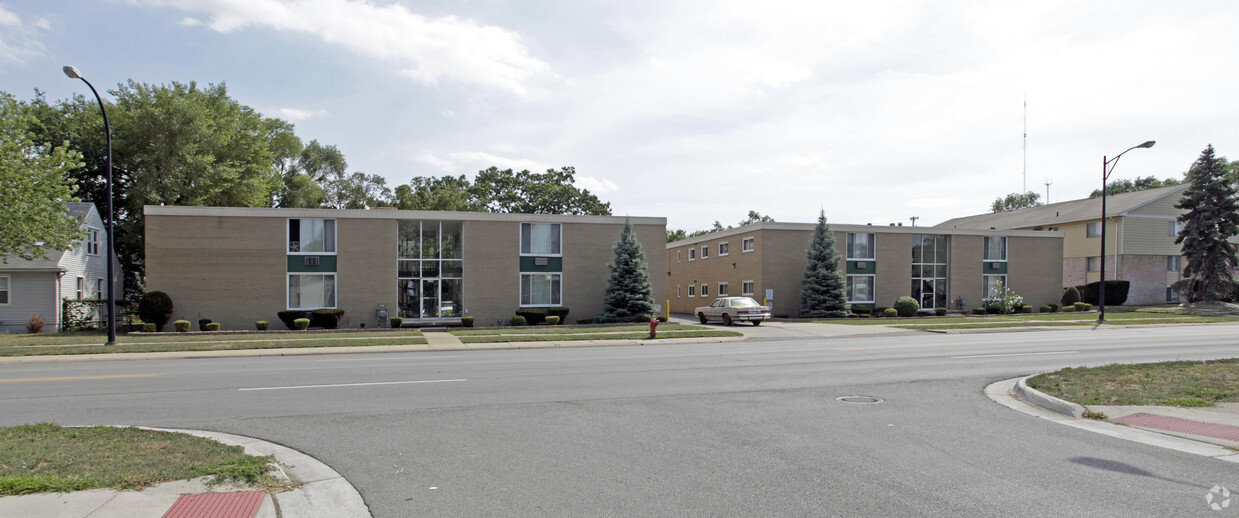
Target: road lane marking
291	387
1030	341
82	378
1011	354
389	359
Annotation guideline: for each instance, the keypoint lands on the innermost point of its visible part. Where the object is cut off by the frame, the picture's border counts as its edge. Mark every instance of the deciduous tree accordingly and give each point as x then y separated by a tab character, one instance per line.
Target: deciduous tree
1016	201
34	213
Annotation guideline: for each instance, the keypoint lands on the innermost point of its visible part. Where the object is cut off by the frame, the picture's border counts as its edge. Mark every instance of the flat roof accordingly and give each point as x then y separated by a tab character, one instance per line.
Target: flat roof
267	212
868	229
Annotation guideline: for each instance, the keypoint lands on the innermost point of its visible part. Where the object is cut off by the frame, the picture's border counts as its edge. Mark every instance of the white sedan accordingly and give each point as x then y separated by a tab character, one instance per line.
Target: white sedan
733	309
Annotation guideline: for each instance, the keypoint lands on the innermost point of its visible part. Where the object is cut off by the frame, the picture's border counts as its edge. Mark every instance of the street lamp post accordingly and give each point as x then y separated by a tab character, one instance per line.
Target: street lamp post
1107	167
107	130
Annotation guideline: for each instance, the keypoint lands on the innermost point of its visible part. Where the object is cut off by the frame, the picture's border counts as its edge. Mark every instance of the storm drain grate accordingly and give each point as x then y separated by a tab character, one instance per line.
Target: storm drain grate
860	400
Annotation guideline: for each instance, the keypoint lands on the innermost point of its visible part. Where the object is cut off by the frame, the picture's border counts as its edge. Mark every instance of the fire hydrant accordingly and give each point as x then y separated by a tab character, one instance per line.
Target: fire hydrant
653	328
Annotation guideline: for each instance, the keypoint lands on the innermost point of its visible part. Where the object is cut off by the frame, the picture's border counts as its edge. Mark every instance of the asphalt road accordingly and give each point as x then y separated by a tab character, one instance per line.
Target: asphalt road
737	429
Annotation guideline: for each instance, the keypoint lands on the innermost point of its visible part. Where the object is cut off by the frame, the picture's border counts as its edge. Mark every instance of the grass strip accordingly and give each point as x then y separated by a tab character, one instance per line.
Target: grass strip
1078	323
1131	317
45	457
572	330
478	339
95	337
1182	384
51	350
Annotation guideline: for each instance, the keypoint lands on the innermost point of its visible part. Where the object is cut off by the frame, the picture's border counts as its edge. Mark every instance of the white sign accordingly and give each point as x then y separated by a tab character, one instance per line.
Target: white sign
770	294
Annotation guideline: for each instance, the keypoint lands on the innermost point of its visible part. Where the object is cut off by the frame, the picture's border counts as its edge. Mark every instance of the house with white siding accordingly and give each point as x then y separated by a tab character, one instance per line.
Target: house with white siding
38	286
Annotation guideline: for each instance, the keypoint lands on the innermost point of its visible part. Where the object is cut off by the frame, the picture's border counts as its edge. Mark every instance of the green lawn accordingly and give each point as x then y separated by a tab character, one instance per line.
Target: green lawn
1185	384
1125	316
92	343
44	458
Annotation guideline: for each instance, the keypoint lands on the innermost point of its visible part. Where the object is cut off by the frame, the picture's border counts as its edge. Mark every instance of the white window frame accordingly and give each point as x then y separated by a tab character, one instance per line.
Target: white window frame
7	290
1088	264
705	251
81	288
559	228
747	284
100	288
748	244
849	288
987	287
985	250
335	237
692	290
705	289
677	255
692	254
92	241
1174	263
724	249
677	291
553	303
722	289
1176	226
872	246
1089	231
335	290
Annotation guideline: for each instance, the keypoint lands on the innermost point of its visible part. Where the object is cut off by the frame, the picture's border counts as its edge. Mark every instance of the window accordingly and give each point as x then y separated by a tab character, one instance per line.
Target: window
989	285
692	254
705	290
1093	229
1175	228
1094	264
100	289
92	241
860	288
81	288
1172	295
311	236
747	245
677	256
692	290
311	291
540	239
4	290
677	291
860	246
995	249
705	252
1172	263
724	248
746	288
929	269
541	289
722	289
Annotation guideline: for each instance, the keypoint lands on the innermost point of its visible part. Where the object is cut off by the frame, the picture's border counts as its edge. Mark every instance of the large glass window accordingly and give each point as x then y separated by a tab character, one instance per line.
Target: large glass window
540	239
540	289
312	236
929	270
995	249
989	285
860	288
430	269
92	241
311	291
860	246
1093	229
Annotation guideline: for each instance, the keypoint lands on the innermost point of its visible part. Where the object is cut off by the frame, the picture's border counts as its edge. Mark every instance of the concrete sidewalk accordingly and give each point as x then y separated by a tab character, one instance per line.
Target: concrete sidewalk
319	491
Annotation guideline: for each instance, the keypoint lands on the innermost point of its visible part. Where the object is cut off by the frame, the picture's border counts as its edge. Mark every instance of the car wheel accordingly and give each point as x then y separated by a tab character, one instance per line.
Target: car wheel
756	323
726	319
701	317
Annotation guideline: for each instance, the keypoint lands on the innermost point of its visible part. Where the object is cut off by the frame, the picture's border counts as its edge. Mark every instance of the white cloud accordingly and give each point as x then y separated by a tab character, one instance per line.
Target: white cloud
596	185
470	162
781	75
296	115
425	49
9	18
190	22
19	40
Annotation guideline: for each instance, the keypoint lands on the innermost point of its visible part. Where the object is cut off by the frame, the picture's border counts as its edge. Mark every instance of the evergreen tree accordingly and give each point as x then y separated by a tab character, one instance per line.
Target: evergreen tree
628	295
1212	217
821	294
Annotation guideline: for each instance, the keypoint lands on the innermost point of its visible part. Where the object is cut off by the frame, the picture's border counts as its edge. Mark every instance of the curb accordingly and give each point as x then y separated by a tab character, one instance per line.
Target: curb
1046	401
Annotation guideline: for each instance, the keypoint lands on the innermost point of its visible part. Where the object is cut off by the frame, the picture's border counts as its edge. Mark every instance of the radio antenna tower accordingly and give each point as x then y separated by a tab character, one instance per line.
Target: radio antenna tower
1048	181
1026	144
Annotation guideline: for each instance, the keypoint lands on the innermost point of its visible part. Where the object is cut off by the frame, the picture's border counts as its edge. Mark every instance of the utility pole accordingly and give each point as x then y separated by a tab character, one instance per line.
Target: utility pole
1048	181
914	218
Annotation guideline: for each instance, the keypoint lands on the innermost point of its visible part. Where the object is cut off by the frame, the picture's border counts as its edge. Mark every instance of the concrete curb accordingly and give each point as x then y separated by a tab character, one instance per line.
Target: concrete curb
1046	401
323	491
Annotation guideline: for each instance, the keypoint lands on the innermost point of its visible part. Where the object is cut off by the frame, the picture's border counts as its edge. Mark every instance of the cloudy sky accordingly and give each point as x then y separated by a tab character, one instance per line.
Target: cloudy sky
694	110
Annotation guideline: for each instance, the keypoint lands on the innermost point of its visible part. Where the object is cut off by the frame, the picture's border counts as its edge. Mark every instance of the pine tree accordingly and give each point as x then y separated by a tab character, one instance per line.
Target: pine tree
822	294
1212	217
629	295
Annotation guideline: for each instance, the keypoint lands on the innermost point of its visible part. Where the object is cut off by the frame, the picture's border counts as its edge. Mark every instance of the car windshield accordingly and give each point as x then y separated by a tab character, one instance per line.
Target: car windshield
744	301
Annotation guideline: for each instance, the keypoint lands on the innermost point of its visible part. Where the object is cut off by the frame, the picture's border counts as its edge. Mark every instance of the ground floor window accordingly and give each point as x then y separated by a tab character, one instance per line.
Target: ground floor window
541	289
860	288
705	290
929	270
692	290
989	285
677	292
746	288
4	290
311	291
1094	264
430	298
1172	295
722	289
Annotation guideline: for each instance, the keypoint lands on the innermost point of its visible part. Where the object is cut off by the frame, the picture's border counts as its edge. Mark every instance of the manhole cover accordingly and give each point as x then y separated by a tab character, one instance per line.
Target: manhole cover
862	400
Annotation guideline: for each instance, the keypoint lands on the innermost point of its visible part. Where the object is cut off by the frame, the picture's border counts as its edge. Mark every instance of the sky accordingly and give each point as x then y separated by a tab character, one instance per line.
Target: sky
698	111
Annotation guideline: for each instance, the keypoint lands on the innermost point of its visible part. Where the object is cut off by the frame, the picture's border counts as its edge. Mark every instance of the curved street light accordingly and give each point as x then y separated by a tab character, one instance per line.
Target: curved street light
1107	167
73	73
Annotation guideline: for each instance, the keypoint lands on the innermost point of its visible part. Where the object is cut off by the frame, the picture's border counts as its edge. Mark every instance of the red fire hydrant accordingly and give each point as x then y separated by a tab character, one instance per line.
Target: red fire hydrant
653	328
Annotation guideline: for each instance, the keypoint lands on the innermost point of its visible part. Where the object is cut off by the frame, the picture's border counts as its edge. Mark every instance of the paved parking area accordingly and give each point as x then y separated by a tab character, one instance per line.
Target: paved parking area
779	329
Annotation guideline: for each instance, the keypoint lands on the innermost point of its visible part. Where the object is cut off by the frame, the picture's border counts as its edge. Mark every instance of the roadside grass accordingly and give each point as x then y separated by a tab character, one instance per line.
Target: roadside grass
45	458
92	343
1182	384
557	333
1127	316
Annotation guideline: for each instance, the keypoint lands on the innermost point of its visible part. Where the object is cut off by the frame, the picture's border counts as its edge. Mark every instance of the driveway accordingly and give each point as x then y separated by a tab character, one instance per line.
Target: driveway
787	329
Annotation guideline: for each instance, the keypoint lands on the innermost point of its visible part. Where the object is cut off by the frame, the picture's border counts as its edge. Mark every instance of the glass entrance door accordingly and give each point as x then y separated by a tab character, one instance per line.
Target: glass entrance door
430	298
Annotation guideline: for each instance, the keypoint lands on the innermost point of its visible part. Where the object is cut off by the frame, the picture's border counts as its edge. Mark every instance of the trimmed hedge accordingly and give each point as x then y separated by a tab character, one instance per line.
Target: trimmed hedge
396	322
552	320
213	326
979	311
261	325
1116	292
202	323
533	316
891	312
1083	306
289	317
906	306
326	318
148	328
1071	295
181	326
155	307
940	312
517	321
301	324
467	321
561	312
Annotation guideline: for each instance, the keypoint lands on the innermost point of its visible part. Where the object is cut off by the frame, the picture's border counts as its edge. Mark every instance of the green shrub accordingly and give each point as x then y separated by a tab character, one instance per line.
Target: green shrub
155	307
1116	292
148	328
326	318
662	319
552	320
861	310
261	325
202	323
993	310
1053	307
1046	309
584	320
1082	306
940	312
467	321
533	316
1026	308
1069	309
906	306
181	326
853	315
289	317
517	321
1071	295
395	322
213	326
891	312
560	312
879	311
979	311
301	324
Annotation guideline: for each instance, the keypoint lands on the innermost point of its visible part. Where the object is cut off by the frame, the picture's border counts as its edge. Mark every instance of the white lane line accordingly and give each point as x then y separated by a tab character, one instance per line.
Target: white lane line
1012	354
350	385
388	359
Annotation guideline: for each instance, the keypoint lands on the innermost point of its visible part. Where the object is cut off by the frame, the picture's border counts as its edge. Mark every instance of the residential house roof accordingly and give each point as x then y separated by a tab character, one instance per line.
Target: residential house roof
51	261
1064	212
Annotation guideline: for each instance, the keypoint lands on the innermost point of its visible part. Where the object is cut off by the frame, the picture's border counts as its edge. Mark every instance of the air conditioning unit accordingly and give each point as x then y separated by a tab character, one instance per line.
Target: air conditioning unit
311	260
539	261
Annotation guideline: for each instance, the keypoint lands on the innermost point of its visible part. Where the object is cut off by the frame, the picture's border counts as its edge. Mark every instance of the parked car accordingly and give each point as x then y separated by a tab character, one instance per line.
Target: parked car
733	309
